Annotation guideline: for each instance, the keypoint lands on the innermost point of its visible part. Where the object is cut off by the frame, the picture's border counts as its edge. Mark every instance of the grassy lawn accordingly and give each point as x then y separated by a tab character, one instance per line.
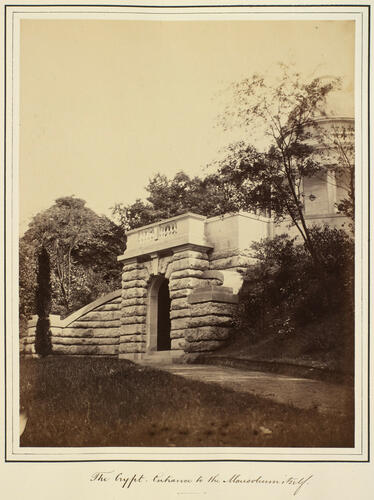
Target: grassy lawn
111	402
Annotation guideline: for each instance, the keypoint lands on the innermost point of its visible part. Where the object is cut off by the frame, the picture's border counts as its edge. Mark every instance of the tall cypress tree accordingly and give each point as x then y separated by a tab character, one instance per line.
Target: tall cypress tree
43	341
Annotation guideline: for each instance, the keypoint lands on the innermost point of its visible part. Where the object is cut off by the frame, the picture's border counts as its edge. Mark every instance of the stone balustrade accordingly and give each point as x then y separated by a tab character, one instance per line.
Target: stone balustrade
183	229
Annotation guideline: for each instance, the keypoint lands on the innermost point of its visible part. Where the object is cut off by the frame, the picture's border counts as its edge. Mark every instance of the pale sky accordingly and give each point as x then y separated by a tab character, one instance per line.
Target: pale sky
107	104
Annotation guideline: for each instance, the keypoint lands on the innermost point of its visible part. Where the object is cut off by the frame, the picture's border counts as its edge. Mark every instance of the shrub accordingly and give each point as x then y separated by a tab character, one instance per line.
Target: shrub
285	290
43	343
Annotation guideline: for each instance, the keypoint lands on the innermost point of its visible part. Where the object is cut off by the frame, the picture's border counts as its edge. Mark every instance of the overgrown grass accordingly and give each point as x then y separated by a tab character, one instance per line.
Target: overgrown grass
304	347
110	402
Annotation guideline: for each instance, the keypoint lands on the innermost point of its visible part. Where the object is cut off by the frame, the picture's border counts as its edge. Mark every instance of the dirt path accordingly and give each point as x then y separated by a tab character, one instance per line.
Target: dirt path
299	392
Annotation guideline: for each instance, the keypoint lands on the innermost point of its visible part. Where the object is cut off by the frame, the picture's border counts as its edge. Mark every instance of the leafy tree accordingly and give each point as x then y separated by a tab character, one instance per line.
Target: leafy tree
83	249
43	343
171	197
134	215
285	113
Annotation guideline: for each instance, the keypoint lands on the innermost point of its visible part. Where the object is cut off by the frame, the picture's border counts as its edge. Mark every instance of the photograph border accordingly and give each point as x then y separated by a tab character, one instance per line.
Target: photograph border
9	457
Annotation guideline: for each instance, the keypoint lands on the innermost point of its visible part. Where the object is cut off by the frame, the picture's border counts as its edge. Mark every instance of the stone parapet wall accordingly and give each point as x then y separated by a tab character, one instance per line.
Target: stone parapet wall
93	330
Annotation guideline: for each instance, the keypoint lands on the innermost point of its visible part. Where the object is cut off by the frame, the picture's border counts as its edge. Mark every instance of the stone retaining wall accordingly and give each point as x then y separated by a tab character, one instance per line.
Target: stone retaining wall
92	330
203	287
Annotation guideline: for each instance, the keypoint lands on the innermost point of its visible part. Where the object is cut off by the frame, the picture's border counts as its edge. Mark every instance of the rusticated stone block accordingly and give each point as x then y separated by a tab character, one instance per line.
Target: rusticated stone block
213	275
96	324
131	266
218	308
176	294
100	316
185	254
84	341
29	339
134	311
91	332
86	350
179	303
211	282
111	307
210	320
177	334
129	347
138	274
131	338
177	344
55	330
126	284
130	320
133	329
203	346
185	283
142	301
187	273
225	263
180	313
134	293
206	333
221	254
190	263
212	294
180	323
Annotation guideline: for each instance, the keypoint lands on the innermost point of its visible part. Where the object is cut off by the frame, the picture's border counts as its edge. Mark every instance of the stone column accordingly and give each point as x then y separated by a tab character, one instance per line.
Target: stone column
133	309
212	309
185	273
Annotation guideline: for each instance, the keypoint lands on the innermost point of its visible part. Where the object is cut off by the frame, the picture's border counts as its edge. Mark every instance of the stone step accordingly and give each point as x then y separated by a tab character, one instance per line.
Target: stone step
161	357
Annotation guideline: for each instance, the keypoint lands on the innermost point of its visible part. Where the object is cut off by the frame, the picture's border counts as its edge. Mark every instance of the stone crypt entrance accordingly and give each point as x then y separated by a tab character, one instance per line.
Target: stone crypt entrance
180	282
163	317
159	315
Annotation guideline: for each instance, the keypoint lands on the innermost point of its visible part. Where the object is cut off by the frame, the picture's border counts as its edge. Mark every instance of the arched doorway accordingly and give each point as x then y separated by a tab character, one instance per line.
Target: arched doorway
163	317
158	315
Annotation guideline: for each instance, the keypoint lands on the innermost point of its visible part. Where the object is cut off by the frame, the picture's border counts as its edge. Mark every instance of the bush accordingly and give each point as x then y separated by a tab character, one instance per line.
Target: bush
285	290
43	340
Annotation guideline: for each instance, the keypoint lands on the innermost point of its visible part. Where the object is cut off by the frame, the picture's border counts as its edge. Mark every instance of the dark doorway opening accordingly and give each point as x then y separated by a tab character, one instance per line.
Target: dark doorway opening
163	317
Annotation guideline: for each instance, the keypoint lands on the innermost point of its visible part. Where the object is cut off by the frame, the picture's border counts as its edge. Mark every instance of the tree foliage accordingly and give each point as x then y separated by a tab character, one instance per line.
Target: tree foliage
282	294
83	249
284	111
43	342
170	197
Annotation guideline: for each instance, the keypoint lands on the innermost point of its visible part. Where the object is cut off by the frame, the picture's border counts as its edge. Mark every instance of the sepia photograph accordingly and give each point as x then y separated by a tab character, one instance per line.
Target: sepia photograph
186	233
187	200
